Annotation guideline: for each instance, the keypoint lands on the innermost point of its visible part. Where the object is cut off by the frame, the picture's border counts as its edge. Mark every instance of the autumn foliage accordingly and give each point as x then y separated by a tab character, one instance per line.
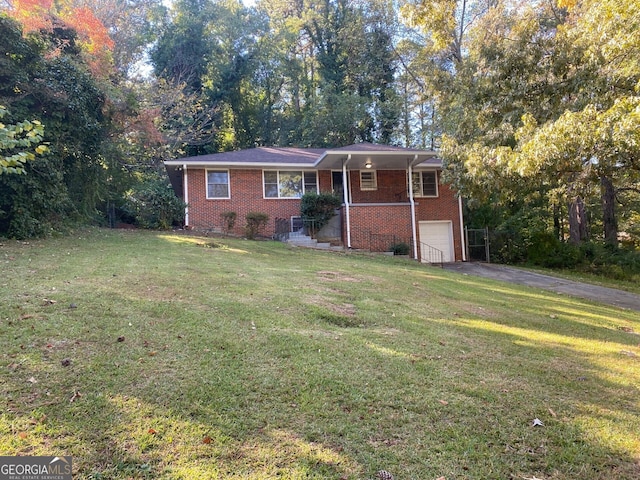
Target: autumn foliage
44	15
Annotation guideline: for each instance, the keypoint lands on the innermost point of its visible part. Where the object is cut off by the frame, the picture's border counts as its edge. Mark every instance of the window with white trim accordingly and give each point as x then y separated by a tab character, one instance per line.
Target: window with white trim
368	180
218	184
289	183
425	183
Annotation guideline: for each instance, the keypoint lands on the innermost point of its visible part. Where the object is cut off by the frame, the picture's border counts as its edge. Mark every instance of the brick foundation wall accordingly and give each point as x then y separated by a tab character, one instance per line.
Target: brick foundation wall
377	227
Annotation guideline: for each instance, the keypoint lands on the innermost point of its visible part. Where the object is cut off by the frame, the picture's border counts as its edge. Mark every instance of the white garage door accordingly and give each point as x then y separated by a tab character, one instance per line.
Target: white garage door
438	235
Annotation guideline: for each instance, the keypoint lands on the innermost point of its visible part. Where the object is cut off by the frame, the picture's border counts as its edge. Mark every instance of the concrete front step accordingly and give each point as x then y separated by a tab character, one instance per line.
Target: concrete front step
301	240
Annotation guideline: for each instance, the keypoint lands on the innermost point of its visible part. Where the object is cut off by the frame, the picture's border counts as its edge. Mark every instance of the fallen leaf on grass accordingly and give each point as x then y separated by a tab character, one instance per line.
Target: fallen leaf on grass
207	440
48	301
441	478
36	421
76	395
443	402
32	380
22	435
151	431
553	414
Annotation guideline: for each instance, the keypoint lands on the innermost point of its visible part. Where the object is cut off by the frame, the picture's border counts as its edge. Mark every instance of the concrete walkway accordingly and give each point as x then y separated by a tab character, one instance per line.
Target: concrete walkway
610	296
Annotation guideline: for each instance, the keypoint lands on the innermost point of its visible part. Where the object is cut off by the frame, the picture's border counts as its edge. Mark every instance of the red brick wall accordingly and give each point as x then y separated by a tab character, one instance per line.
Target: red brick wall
378	227
387	223
246	196
392	187
324	181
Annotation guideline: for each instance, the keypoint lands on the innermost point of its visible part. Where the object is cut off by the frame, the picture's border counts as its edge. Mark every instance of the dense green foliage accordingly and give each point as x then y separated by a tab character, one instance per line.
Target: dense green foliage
57	91
320	75
316	209
542	112
400	248
153	204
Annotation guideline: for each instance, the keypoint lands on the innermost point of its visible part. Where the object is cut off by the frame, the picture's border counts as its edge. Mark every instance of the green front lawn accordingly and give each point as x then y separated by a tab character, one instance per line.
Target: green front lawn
162	355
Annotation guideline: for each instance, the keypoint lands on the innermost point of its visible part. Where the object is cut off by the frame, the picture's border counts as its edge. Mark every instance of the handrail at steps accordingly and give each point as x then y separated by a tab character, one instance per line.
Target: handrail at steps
431	255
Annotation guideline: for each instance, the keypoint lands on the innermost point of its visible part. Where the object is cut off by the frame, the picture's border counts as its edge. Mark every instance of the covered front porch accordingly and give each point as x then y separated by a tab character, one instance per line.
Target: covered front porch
380	212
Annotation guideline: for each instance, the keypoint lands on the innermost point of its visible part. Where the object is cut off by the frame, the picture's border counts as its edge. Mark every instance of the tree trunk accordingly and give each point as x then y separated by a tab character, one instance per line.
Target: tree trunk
608	211
557	222
577	221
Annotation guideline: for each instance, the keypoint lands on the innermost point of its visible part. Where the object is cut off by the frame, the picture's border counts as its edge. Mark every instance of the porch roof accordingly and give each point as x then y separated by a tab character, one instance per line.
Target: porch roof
382	157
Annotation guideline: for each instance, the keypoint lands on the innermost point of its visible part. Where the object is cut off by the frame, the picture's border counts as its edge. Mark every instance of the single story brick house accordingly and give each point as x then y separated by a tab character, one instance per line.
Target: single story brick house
390	194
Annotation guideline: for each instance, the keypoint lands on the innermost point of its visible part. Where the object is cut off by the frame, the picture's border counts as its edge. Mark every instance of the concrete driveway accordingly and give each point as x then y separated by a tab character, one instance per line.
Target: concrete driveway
610	296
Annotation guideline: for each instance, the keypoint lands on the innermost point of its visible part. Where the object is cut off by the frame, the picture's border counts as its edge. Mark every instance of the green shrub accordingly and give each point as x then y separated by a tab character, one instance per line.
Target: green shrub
153	204
228	220
609	261
256	221
400	249
316	209
546	250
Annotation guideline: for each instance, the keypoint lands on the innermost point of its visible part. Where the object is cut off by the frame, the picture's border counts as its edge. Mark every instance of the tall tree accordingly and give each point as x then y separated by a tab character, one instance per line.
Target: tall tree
183	49
131	25
47	79
542	100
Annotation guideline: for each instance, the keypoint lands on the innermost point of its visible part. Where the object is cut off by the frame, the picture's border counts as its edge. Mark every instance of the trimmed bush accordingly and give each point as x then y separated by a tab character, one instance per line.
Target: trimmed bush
256	221
228	220
400	249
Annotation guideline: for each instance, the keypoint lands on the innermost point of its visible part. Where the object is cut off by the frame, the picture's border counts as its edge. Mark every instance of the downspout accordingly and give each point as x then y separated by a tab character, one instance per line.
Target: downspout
413	209
345	188
185	193
462	242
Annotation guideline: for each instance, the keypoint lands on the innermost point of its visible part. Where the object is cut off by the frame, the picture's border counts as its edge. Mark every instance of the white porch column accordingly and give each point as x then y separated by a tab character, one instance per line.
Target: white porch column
345	191
185	193
413	209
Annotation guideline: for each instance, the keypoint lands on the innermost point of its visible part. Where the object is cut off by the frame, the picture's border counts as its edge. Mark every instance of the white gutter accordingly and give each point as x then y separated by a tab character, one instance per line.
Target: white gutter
185	193
413	209
462	242
345	192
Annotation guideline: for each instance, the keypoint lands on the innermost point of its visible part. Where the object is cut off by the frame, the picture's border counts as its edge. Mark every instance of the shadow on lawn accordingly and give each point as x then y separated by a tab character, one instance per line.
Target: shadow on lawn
556	313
